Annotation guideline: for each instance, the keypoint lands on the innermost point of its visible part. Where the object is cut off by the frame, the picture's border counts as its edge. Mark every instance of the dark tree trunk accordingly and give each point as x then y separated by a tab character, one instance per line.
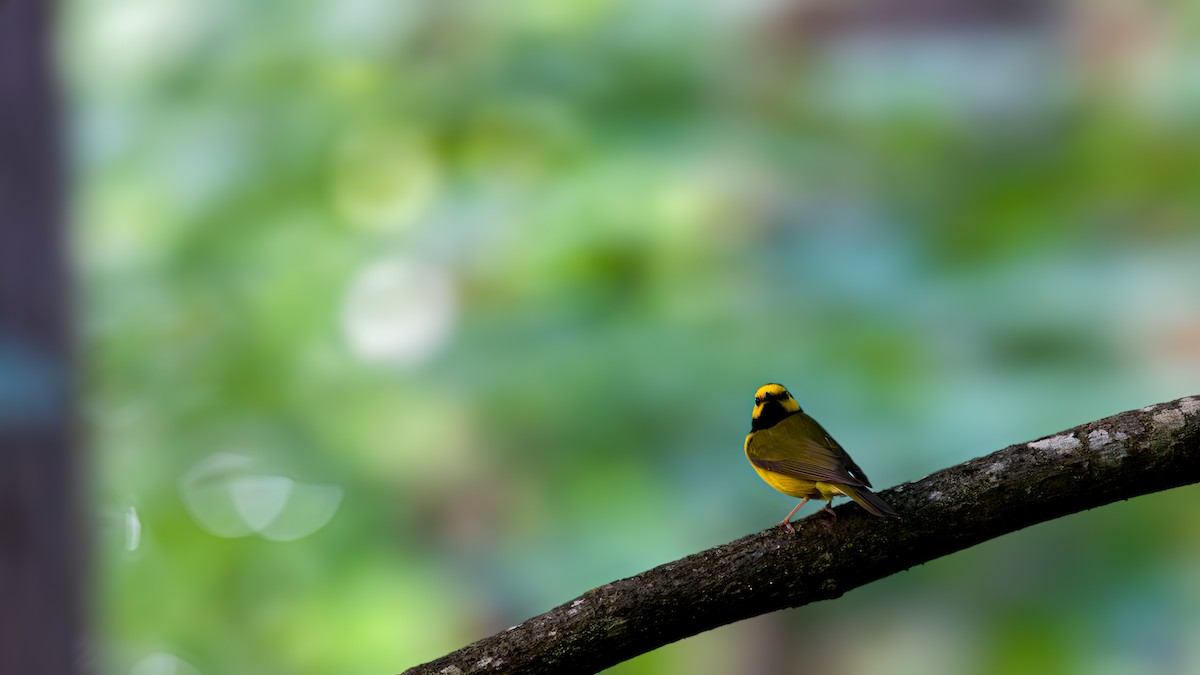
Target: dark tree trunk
39	538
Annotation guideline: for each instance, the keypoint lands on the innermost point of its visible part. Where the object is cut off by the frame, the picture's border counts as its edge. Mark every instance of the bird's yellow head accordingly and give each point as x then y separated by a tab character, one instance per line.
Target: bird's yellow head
772	402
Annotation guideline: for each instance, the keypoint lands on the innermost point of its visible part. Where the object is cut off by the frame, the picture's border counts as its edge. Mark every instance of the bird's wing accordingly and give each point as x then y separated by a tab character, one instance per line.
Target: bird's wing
849	463
791	448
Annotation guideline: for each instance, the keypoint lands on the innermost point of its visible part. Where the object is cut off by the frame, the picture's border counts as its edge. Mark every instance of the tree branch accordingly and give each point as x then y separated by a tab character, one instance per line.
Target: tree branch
1126	455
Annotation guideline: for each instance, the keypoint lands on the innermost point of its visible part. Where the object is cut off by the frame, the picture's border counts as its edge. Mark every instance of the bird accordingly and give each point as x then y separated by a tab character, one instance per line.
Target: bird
794	454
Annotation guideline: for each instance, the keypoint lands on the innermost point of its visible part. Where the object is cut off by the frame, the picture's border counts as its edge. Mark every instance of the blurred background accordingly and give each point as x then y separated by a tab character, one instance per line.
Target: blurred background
406	321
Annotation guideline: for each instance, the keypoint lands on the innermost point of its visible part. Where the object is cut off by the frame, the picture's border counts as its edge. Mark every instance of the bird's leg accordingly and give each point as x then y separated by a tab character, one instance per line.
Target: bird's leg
787	520
828	509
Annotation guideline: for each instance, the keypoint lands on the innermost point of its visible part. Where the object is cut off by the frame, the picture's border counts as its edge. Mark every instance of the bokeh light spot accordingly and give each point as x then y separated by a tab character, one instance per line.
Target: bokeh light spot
205	492
259	499
383	179
228	497
309	508
399	311
133	530
163	663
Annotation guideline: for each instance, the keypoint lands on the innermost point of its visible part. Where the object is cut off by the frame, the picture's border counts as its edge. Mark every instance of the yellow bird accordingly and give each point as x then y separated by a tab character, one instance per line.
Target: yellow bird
795	455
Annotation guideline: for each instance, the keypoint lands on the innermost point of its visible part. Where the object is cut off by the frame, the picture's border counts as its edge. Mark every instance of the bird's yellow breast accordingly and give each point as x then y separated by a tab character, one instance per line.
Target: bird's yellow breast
798	487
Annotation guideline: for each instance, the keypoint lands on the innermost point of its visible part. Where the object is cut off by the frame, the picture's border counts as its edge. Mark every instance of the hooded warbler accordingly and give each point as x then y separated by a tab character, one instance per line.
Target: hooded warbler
795	455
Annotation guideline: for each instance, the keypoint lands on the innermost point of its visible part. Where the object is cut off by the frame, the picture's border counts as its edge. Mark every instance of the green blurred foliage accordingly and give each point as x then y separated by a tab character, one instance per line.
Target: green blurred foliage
508	274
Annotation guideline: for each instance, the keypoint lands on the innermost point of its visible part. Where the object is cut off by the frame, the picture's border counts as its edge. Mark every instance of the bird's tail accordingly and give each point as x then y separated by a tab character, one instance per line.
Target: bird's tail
869	501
